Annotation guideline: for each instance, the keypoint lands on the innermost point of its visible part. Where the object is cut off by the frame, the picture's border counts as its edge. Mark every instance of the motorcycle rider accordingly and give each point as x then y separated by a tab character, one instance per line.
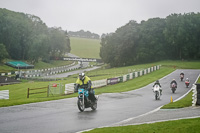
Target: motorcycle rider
157	83
85	82
187	80
182	75
173	81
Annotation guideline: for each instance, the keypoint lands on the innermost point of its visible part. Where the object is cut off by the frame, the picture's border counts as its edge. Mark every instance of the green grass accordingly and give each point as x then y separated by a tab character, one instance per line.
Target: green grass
177	126
42	65
85	48
178	64
184	102
5	68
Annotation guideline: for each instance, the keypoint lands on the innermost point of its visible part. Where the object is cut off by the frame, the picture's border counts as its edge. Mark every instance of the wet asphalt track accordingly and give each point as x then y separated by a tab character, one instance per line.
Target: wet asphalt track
63	116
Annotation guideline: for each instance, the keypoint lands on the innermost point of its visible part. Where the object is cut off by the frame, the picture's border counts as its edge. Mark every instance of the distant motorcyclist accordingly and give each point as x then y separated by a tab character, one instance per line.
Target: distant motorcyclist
182	75
85	82
158	83
187	80
173	81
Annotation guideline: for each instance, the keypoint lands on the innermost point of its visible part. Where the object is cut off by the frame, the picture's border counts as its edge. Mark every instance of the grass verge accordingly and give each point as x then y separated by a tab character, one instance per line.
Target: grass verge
184	102
178	126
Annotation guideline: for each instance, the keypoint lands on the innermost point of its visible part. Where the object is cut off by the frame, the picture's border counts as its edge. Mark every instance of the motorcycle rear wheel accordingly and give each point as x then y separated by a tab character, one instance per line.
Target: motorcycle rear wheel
81	105
156	95
173	90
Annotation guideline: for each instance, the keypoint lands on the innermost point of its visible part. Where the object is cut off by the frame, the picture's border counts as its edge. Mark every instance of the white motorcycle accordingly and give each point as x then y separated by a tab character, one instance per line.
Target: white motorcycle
156	90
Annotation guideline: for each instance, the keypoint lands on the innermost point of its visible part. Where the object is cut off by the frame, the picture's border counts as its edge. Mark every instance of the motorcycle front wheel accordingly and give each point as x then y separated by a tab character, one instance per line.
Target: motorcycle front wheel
94	106
81	105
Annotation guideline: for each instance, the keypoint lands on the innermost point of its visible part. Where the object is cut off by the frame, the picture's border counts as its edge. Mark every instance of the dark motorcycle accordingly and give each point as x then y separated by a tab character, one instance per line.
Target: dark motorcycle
173	87
181	76
83	100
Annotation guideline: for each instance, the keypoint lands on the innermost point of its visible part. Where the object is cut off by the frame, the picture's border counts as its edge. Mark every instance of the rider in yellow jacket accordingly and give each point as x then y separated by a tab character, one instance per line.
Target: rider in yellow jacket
85	82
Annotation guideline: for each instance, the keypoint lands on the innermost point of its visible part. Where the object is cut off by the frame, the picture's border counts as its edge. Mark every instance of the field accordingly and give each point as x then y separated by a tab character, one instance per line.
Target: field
85	48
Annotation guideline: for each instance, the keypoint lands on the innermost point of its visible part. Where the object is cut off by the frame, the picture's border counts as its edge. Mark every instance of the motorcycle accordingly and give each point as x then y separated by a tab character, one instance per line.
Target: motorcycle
181	76
83	100
173	87
187	83
156	90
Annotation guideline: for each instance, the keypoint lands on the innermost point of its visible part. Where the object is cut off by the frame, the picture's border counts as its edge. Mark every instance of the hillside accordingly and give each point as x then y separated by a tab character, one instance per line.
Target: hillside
85	48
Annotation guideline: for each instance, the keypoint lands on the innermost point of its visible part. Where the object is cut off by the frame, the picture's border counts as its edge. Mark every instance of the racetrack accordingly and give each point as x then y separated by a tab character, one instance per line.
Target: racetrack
63	116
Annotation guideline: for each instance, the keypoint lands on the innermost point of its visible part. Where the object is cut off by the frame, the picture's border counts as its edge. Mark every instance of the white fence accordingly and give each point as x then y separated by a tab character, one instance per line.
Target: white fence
4	94
69	88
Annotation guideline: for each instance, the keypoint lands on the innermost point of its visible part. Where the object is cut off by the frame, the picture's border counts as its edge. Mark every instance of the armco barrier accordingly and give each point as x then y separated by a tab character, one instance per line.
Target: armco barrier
136	74
124	78
198	93
130	75
112	81
194	95
99	83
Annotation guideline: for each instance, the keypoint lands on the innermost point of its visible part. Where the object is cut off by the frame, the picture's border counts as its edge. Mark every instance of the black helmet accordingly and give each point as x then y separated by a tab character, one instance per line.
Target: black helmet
157	81
82	76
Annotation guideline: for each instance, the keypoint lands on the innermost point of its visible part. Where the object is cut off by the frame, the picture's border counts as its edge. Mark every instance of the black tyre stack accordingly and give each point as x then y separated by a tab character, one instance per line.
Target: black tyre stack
198	94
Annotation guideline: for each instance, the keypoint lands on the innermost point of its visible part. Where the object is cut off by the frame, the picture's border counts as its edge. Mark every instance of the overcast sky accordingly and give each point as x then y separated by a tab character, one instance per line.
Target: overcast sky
98	16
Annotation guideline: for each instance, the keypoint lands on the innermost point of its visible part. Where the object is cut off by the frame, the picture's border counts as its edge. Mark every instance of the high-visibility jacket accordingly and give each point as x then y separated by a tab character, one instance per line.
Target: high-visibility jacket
85	83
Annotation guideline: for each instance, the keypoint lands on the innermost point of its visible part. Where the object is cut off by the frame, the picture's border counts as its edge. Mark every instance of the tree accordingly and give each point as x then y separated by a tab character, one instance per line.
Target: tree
175	37
26	37
3	51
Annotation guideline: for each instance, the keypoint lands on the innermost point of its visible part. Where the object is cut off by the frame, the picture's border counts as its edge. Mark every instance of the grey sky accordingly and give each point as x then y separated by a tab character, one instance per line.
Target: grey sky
98	16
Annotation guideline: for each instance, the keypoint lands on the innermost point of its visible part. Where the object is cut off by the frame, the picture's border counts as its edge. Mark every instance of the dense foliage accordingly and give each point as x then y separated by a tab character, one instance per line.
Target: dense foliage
175	37
3	52
83	34
26	37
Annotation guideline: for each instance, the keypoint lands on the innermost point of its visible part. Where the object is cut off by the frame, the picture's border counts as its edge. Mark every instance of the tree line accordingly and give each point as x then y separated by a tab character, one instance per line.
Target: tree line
175	37
83	34
26	37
